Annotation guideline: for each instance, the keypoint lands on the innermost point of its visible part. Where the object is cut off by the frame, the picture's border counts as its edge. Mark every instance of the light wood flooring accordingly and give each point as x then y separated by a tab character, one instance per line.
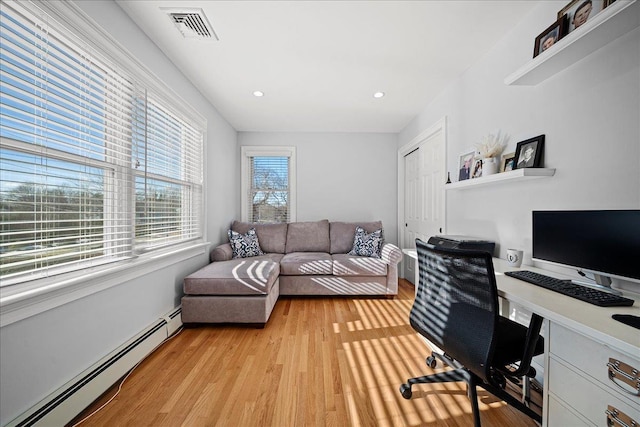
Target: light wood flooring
318	362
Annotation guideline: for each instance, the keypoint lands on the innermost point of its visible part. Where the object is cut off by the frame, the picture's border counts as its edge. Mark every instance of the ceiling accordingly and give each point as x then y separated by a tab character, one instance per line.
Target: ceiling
320	62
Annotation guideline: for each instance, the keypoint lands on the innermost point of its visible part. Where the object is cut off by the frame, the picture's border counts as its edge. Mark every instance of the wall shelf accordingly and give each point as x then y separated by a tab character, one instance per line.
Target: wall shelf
616	20
514	175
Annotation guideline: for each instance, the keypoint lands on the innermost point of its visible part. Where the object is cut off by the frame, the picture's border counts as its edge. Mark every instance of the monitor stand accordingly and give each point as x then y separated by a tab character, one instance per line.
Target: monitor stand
603	283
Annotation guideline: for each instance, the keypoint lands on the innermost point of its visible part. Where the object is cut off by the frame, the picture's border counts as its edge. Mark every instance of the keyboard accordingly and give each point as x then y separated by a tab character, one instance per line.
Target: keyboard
565	287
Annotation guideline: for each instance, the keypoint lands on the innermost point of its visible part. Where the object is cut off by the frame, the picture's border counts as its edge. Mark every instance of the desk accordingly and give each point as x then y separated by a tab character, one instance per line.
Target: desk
580	340
412	253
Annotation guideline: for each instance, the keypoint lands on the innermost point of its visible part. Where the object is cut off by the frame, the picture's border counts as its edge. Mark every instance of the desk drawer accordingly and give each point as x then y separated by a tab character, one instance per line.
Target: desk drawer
585	396
591	358
561	416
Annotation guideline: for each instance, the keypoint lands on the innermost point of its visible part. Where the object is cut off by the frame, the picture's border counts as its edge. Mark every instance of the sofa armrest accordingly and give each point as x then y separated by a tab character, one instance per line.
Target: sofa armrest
221	253
391	254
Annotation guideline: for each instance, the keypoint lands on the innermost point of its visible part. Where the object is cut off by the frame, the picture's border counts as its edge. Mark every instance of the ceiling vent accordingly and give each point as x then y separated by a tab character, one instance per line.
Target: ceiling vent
192	23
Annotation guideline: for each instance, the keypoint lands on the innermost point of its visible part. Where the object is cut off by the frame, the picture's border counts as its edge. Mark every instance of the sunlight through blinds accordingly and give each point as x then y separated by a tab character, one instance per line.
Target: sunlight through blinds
92	168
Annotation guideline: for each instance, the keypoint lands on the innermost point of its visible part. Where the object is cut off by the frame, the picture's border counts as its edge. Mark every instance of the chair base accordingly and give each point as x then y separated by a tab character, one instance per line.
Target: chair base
472	380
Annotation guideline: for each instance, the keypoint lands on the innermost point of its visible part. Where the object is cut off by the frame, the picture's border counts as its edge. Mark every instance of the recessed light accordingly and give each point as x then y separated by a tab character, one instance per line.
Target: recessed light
258	93
378	94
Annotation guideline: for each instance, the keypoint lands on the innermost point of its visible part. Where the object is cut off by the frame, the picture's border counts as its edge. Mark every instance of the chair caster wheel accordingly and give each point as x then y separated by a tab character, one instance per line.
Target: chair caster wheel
432	362
500	381
405	390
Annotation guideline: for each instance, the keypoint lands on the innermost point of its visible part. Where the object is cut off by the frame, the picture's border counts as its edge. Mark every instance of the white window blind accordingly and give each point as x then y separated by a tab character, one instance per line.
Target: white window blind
92	167
269	195
168	184
268	181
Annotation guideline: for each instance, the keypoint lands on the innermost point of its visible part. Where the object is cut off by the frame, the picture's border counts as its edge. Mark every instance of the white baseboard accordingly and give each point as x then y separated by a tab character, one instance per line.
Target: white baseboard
68	401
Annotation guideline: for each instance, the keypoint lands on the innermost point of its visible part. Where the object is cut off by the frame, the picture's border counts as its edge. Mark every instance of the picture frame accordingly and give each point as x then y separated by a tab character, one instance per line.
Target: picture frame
580	11
477	169
529	153
464	166
550	36
507	162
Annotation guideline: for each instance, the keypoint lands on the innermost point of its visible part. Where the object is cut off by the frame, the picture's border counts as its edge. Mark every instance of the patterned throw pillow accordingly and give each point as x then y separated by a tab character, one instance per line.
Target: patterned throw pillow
244	245
367	244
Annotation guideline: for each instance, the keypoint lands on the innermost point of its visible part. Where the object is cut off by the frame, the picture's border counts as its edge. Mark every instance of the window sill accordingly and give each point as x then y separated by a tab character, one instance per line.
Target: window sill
29	299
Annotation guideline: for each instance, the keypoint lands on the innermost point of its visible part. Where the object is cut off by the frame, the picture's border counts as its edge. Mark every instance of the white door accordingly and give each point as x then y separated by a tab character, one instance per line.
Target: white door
425	176
411	208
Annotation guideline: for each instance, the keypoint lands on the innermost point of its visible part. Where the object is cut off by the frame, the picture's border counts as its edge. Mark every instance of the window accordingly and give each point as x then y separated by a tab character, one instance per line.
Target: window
268	180
94	165
168	177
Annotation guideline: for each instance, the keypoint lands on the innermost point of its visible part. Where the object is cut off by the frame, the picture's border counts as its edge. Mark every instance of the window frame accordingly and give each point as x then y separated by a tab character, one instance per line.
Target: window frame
247	152
30	297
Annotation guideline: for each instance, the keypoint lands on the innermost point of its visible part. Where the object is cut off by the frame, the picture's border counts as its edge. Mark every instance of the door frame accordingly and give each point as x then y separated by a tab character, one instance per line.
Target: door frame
439	126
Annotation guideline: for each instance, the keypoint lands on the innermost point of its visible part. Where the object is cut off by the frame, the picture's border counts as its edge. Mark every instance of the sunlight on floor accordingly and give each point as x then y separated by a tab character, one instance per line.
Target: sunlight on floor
378	365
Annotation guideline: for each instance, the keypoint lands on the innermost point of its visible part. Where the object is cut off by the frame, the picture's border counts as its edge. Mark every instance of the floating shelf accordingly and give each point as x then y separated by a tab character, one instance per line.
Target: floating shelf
514	175
616	20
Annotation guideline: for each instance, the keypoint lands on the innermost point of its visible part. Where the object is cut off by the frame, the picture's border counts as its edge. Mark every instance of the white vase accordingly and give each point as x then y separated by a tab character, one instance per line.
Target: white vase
489	166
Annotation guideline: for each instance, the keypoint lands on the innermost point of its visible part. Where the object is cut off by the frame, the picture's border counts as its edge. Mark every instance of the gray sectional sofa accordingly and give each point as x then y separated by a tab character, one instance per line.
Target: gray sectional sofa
300	258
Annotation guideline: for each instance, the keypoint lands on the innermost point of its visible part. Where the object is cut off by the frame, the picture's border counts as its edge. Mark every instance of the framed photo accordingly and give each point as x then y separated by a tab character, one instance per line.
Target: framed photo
507	162
466	163
529	153
550	36
580	11
477	169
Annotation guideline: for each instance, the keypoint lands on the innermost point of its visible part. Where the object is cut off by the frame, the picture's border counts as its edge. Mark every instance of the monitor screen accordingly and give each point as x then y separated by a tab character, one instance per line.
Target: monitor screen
603	242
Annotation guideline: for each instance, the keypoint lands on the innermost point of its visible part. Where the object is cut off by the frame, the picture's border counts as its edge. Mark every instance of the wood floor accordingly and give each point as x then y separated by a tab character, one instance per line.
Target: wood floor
318	362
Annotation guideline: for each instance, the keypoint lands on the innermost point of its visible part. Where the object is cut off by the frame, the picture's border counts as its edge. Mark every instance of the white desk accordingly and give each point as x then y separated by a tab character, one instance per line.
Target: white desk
412	253
580	339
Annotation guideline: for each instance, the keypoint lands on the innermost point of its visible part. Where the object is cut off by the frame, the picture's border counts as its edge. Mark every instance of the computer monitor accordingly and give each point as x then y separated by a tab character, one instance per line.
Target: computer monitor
604	242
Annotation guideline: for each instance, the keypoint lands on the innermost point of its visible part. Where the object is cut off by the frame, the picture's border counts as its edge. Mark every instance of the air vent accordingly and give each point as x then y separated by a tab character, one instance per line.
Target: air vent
192	23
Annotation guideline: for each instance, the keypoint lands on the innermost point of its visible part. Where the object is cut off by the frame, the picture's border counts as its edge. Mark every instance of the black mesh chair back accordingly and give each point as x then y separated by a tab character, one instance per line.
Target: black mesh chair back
457	304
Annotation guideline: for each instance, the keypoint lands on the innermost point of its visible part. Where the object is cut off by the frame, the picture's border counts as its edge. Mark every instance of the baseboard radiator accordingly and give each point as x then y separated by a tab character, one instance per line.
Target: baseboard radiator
68	401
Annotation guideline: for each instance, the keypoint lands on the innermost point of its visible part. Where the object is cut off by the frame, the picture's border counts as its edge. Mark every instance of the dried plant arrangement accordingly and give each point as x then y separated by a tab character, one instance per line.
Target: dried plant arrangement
492	145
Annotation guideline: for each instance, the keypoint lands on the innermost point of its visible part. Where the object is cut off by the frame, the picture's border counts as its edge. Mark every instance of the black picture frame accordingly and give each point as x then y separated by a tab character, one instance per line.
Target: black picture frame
524	158
551	35
596	6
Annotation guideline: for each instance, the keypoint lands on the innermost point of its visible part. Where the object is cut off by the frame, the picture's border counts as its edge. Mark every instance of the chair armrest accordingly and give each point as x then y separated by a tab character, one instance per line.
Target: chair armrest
533	334
221	253
391	254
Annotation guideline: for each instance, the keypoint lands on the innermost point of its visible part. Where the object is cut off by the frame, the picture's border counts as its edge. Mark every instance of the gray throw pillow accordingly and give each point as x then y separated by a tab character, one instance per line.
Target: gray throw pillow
367	244
244	245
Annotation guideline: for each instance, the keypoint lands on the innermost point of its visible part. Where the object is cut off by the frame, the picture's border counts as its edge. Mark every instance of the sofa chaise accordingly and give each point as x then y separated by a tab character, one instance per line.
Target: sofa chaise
298	258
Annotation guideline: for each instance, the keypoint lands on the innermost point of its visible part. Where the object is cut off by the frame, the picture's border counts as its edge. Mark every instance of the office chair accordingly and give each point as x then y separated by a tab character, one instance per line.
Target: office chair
456	309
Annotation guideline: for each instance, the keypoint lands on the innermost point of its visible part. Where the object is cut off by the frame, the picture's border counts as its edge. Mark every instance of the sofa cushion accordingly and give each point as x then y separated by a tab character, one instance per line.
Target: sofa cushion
305	263
349	265
342	234
308	237
367	244
333	285
244	245
243	276
273	237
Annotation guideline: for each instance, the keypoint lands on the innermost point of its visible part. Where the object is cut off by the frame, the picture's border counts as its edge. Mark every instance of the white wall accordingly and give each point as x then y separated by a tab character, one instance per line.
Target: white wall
41	353
341	176
589	114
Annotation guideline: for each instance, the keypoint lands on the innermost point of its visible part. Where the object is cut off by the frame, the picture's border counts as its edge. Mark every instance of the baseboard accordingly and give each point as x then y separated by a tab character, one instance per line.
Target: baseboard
68	401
